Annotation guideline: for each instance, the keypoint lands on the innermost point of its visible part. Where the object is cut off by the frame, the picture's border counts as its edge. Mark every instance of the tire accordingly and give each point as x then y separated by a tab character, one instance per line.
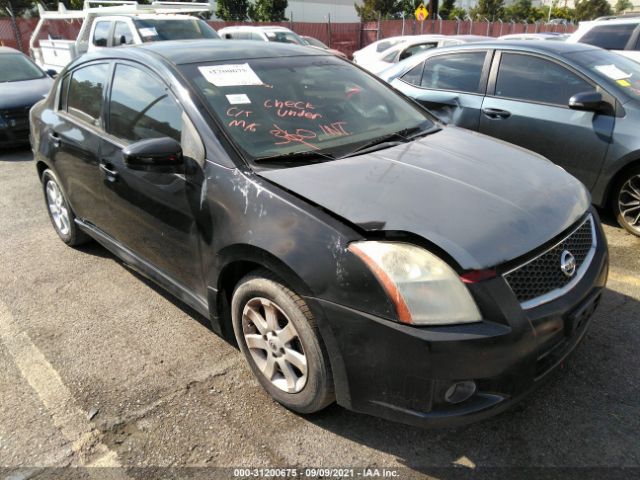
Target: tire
285	339
625	201
60	213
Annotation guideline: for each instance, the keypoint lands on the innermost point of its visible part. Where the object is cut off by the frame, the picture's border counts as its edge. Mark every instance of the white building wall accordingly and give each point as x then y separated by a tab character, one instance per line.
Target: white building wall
318	11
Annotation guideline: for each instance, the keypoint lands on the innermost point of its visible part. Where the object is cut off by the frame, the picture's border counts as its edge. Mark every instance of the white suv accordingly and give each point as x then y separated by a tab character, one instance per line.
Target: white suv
620	34
264	34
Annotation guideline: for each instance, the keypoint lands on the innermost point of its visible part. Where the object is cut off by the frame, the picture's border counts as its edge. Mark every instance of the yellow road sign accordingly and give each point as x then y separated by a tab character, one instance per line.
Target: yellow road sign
421	13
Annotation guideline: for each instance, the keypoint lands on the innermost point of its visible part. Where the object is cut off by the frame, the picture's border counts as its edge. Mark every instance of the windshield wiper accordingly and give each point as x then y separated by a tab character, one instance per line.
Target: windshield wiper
309	156
387	141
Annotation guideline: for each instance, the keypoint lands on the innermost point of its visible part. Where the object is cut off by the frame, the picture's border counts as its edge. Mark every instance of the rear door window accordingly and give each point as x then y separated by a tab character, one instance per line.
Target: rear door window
457	71
526	77
142	107
101	34
609	37
84	100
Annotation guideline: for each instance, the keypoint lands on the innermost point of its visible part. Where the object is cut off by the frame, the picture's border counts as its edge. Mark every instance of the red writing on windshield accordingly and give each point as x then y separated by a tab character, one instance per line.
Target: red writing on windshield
335	129
293	108
301	136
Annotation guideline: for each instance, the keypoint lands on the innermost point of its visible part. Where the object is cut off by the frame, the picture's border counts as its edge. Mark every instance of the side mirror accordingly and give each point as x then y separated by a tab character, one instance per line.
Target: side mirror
160	155
590	102
52	73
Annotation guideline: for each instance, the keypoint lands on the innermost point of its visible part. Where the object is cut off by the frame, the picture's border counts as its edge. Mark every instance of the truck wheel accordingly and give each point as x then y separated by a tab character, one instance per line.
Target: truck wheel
279	337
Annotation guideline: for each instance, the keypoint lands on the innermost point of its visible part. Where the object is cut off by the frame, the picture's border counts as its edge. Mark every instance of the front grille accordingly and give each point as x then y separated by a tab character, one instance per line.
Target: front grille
541	279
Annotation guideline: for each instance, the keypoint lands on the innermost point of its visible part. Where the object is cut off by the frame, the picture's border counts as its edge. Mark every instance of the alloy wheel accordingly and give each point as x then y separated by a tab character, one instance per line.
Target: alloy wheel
57	207
274	344
629	202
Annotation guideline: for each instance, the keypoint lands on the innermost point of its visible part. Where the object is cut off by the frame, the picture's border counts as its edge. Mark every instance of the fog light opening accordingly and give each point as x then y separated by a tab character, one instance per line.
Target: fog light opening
460	391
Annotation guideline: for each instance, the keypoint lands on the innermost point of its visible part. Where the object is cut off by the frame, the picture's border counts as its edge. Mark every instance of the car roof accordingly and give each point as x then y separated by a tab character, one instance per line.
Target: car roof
9	50
181	52
542	46
145	16
613	20
262	29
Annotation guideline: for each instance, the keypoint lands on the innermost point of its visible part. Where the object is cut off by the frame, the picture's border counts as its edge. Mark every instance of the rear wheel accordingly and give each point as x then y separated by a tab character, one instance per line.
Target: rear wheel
61	215
278	335
626	201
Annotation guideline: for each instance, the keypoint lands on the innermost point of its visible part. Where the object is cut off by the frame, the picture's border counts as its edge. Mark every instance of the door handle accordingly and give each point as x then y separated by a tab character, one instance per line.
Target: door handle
110	173
54	138
496	113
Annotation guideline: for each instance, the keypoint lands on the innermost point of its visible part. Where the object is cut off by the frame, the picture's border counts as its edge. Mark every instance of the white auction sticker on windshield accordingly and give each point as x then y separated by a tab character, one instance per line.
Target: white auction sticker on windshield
613	72
230	75
238	99
148	32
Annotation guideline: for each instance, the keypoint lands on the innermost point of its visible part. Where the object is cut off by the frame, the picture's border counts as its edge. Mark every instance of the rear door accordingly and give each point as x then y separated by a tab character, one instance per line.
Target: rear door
152	214
74	138
451	85
527	104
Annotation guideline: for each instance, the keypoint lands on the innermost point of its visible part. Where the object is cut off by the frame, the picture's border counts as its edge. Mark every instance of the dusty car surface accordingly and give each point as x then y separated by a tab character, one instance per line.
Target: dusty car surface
22	84
355	249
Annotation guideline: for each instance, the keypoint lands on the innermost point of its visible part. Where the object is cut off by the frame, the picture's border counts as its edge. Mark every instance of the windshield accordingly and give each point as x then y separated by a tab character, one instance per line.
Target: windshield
284	37
319	105
15	67
618	71
152	30
315	42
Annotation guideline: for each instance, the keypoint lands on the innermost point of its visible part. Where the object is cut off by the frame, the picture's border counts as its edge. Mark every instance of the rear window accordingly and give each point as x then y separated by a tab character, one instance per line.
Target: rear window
609	37
101	34
152	30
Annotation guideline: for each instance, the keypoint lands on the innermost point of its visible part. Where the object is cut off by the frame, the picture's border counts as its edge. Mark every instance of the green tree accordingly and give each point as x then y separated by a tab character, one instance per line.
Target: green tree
232	10
623	5
519	10
491	9
268	10
459	12
590	9
370	9
446	8
18	7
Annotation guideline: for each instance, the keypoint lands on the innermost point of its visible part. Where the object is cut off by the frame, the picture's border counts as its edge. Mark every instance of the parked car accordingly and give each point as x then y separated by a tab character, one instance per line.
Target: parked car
620	34
121	23
355	249
314	42
261	34
577	105
412	46
22	84
561	37
373	50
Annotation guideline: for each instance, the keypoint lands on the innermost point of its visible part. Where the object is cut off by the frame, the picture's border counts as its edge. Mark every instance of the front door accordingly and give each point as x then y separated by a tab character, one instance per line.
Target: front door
529	107
153	214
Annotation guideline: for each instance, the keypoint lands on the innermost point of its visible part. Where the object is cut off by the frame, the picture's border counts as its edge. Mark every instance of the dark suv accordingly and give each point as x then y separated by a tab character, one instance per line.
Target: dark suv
354	248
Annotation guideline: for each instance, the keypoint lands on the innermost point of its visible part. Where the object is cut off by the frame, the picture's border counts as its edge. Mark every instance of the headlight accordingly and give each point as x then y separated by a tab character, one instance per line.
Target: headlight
424	289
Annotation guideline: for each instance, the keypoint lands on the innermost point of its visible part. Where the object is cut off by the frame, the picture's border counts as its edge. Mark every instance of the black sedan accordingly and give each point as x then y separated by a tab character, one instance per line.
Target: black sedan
577	105
354	248
22	84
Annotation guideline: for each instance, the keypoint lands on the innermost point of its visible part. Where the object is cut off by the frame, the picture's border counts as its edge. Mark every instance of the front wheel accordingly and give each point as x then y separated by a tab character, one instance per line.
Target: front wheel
279	337
626	201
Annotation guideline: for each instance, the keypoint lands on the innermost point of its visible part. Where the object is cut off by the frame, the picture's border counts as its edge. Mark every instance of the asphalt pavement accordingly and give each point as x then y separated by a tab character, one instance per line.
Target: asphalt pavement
99	367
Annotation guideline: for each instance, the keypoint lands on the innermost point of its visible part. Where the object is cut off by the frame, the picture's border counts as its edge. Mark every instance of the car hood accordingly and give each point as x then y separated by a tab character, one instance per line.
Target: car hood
481	200
23	94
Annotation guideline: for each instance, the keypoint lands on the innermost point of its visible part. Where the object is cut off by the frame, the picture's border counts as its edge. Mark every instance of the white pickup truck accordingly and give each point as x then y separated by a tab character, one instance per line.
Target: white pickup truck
116	23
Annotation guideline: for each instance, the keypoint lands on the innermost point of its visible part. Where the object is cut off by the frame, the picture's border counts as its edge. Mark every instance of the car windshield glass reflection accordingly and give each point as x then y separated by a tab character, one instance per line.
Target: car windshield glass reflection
14	67
154	30
616	69
282	106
